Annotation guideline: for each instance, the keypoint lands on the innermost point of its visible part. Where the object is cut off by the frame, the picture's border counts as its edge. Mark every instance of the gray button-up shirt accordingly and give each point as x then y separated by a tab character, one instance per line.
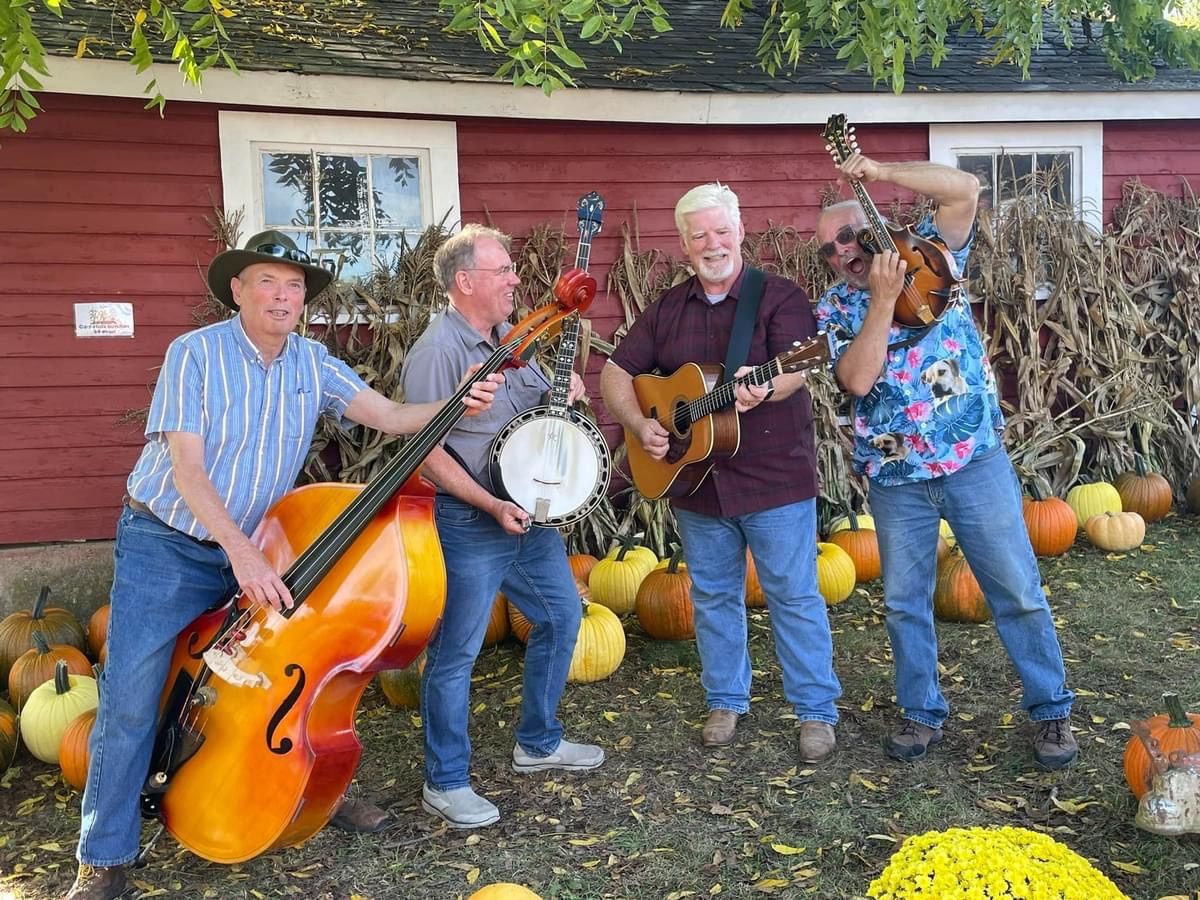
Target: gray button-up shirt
435	365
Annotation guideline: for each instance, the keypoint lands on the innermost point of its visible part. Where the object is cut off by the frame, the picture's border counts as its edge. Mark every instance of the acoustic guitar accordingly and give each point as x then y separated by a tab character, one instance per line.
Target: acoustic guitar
696	409
932	280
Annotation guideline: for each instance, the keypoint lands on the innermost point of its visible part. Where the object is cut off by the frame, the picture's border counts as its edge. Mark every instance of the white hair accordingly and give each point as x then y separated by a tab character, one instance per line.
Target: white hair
707	196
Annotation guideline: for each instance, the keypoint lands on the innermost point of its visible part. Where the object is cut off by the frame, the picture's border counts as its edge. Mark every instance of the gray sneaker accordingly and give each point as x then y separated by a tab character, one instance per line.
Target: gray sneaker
569	756
459	807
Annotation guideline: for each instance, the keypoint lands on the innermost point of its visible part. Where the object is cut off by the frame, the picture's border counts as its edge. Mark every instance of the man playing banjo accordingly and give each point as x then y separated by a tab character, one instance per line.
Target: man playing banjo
488	542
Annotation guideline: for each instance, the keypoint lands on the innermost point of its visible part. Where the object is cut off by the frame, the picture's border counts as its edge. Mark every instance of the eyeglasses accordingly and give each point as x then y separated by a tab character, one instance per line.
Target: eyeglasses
283	253
846	236
500	272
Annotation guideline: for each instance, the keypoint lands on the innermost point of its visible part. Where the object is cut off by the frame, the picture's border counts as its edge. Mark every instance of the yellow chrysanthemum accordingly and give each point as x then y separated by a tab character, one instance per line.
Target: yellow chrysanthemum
990	864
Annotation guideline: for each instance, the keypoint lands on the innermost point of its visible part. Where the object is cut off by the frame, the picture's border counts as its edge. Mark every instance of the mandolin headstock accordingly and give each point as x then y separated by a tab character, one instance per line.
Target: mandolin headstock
840	140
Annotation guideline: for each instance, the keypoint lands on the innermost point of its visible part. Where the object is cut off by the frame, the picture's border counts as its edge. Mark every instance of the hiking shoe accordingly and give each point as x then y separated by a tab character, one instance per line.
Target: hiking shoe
1053	744
720	728
459	807
817	742
910	740
360	817
569	756
98	883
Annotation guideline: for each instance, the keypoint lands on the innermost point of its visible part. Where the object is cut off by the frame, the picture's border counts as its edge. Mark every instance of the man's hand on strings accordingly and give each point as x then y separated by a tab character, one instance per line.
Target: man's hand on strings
483	391
747	396
258	581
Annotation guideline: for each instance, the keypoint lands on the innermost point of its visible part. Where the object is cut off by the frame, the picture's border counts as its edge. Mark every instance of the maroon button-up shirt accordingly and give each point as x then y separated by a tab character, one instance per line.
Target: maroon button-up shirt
776	461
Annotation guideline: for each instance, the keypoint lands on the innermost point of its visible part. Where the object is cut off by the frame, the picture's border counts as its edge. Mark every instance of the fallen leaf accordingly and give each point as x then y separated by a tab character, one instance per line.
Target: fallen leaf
1130	868
786	850
473	875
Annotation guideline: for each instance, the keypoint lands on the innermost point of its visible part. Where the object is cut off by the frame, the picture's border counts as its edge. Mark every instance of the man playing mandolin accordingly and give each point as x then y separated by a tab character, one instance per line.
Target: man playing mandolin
233	414
927	429
762	497
488	542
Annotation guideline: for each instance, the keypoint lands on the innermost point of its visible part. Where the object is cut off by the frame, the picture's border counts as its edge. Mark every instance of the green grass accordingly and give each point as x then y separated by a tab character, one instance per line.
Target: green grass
665	817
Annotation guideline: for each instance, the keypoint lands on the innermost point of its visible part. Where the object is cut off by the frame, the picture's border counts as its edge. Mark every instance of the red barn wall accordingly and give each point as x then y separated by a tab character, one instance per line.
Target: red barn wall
99	200
1162	155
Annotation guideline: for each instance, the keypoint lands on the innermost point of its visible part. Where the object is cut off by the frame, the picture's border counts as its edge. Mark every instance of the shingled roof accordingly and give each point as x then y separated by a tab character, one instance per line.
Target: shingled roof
405	39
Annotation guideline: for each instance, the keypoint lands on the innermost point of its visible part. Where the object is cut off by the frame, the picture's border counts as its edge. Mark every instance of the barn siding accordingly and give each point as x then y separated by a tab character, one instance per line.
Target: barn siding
100	200
1162	155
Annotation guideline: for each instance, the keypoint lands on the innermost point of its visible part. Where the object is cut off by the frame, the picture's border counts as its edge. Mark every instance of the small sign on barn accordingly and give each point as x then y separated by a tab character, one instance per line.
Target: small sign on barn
104	319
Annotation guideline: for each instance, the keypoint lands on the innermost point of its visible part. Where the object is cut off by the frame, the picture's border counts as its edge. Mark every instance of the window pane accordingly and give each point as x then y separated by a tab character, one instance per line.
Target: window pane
1014	174
287	189
397	185
981	167
1055	171
356	252
343	190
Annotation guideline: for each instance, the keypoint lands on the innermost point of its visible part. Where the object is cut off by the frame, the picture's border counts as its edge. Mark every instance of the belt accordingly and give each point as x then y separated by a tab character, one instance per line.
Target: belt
139	507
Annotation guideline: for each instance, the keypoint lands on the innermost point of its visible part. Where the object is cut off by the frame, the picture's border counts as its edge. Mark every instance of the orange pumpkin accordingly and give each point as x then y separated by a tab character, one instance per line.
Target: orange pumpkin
582	565
1051	522
8	736
1175	730
755	598
498	628
73	755
97	630
16	630
664	602
1116	532
1144	492
36	666
957	596
863	546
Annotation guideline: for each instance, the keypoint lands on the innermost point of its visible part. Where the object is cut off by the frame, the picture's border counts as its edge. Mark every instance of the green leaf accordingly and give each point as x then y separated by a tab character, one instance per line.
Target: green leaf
229	61
590	27
660	24
568	56
534	23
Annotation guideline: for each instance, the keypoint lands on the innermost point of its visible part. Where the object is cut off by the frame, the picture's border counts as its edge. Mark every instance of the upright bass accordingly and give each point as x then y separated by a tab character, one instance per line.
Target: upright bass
256	742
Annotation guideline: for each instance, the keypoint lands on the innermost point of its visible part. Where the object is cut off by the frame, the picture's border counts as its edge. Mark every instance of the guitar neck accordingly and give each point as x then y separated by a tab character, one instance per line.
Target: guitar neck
568	344
723	396
883	237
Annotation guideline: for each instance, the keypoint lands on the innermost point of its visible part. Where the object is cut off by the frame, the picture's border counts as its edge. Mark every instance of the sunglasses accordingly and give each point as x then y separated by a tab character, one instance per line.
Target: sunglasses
283	253
846	236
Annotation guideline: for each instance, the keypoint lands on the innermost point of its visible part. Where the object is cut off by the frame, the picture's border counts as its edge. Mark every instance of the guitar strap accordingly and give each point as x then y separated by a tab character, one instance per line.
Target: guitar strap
915	338
743	322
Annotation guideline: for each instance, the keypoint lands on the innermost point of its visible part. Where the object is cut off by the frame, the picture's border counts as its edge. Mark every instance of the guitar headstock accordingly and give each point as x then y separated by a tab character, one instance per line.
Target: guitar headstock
839	138
590	214
805	355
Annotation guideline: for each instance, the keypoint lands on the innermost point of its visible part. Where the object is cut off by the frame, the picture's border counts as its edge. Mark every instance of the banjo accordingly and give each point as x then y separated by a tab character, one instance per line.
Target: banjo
552	460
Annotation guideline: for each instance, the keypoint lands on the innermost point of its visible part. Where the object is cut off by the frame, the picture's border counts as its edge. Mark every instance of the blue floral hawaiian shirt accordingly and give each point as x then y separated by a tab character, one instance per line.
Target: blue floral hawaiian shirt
935	405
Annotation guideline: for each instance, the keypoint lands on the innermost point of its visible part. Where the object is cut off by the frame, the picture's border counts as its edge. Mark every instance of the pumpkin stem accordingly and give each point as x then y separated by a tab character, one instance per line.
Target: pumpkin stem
40	603
62	683
39	641
853	519
628	542
1179	716
676	556
1139	465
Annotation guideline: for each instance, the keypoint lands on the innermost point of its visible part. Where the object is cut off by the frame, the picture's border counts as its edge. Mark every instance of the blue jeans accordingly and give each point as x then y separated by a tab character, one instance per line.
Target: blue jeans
532	570
982	503
162	581
783	542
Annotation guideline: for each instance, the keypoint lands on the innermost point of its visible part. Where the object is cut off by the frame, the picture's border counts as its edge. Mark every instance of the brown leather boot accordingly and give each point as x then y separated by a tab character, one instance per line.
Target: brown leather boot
360	817
98	883
910	741
817	742
720	728
1054	747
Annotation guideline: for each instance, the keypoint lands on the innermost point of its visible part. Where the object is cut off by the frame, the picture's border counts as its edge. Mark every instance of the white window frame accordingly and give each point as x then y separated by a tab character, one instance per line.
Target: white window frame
246	135
1085	140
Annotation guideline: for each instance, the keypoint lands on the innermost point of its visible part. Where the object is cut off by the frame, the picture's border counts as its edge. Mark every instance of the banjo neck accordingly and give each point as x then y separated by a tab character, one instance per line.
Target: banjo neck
568	347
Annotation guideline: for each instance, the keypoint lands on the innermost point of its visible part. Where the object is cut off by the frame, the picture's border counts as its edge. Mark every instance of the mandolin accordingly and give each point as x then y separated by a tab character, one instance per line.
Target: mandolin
932	281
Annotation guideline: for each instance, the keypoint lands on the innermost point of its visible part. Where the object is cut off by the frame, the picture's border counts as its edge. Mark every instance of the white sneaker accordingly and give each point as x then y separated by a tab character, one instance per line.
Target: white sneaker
569	756
459	807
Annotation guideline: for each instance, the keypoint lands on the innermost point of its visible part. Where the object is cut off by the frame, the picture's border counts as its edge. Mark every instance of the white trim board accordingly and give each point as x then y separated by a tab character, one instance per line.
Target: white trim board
340	93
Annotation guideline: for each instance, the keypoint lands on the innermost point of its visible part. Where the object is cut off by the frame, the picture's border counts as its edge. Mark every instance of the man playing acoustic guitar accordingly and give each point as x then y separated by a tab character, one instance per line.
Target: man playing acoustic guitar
927	428
762	497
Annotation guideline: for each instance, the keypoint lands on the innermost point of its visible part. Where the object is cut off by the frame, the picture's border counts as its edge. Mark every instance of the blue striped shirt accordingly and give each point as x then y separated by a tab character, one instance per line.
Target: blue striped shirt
256	421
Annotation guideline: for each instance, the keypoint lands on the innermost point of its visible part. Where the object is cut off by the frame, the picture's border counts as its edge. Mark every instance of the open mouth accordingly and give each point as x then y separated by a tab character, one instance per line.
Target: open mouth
856	266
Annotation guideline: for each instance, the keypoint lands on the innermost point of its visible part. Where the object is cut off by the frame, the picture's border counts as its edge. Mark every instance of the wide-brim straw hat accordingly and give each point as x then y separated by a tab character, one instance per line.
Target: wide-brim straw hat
265	247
